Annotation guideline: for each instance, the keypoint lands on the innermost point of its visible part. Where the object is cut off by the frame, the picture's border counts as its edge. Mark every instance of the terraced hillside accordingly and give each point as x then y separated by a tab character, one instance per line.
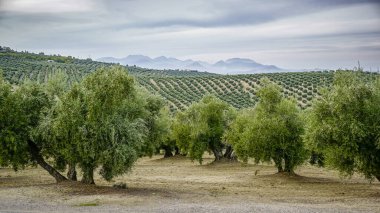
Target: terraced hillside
238	90
152	73
16	69
20	66
179	88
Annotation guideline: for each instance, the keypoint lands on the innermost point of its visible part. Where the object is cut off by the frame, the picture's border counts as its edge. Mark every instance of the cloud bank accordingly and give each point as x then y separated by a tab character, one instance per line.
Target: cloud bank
291	34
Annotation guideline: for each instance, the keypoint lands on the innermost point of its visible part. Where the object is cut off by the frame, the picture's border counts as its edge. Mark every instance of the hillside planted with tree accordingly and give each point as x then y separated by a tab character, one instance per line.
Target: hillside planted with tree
178	88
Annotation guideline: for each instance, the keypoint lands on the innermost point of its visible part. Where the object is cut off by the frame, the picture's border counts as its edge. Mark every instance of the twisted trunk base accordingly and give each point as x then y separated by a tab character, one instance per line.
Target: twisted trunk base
88	176
36	155
168	151
230	154
72	173
288	165
176	151
217	154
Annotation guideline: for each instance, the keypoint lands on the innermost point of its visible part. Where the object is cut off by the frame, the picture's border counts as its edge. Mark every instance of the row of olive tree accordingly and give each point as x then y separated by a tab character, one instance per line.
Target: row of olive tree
270	131
107	122
342	129
103	122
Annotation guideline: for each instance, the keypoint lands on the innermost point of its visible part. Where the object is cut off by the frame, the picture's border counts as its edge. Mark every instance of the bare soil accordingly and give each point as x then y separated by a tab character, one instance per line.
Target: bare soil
179	185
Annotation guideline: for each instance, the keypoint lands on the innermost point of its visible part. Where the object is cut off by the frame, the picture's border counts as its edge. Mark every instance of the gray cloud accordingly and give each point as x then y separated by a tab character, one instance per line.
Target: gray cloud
291	34
225	13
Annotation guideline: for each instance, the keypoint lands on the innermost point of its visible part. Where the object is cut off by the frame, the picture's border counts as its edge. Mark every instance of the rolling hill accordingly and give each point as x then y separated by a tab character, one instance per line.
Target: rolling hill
178	88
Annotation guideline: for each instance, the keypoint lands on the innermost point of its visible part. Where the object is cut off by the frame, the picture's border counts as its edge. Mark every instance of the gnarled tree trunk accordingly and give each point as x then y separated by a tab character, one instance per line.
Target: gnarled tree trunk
168	151
288	165
72	173
229	154
278	160
36	155
278	163
279	168
88	175
176	151
218	154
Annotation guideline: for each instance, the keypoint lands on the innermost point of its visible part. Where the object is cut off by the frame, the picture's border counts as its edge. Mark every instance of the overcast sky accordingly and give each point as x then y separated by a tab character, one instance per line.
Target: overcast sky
291	34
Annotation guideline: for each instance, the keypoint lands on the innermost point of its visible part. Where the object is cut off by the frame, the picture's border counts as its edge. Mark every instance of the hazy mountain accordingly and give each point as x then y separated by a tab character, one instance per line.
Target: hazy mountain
195	66
230	66
243	66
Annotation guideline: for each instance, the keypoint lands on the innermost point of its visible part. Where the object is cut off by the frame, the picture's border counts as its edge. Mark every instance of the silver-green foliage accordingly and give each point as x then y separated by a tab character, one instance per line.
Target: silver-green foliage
100	122
344	124
21	111
200	128
157	122
14	128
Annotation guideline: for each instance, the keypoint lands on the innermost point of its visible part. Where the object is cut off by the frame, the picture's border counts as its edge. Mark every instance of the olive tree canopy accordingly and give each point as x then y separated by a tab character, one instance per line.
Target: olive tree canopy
271	131
200	128
344	124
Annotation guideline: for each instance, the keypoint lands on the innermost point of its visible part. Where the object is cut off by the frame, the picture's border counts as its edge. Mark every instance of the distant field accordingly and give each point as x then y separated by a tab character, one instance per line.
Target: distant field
18	67
179	88
237	90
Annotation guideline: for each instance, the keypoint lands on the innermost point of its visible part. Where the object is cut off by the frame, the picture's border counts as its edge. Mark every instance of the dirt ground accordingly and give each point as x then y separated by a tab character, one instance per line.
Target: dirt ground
179	185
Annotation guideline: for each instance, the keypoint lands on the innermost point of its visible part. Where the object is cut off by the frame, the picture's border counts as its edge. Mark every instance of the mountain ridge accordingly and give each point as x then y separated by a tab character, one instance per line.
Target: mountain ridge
228	66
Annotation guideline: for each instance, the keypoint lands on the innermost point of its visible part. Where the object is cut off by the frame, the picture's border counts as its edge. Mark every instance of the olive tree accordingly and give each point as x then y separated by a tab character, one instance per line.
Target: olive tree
200	128
236	131
60	127
21	109
157	122
100	123
168	144
270	132
344	124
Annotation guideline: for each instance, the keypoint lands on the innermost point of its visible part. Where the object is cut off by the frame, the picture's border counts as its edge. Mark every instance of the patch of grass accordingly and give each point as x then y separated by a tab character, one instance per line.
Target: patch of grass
87	204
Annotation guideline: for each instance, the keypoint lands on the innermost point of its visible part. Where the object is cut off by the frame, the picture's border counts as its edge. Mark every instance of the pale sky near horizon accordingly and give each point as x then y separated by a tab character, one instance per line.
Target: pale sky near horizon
293	34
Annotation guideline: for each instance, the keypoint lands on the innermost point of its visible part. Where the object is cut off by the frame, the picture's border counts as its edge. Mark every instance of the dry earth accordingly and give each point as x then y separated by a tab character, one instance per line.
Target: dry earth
179	185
